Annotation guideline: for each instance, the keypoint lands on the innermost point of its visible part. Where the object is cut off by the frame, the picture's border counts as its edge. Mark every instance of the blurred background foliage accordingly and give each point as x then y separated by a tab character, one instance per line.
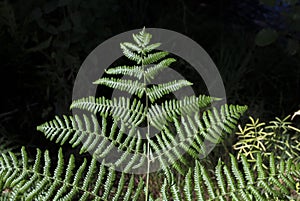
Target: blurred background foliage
255	45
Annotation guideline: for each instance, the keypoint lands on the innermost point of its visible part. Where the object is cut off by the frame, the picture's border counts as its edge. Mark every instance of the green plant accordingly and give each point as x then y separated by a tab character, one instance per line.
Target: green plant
279	136
191	120
276	182
38	180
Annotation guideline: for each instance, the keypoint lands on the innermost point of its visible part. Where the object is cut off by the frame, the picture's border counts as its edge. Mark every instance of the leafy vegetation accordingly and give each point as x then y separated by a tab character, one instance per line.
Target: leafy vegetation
173	145
278	136
256	48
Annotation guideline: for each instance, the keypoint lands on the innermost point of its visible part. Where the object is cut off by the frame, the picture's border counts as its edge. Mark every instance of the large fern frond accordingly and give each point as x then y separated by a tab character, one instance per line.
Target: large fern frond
192	133
39	181
86	130
277	182
211	126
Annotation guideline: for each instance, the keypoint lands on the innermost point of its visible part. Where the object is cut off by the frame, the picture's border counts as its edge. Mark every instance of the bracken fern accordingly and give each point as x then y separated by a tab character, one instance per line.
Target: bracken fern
279	181
182	126
181	117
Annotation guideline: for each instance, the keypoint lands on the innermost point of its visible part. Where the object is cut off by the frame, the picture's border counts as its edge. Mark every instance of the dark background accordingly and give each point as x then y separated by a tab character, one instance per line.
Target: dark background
43	43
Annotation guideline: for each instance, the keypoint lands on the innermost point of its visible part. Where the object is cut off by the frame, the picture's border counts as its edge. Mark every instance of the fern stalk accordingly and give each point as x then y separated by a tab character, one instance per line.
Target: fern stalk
147	135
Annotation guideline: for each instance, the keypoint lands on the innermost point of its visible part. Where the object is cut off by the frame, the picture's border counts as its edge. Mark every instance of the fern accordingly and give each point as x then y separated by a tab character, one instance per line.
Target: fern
183	126
38	181
231	183
184	130
212	127
124	137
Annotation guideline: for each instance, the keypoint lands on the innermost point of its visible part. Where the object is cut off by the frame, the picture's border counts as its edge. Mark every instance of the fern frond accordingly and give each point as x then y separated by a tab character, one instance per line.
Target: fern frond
129	112
86	130
37	181
135	71
151	72
192	131
138	39
132	87
156	92
237	185
191	136
142	38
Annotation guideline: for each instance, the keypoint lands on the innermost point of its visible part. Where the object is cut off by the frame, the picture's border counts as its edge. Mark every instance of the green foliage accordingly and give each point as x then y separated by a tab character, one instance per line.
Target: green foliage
189	118
183	126
279	136
278	181
68	181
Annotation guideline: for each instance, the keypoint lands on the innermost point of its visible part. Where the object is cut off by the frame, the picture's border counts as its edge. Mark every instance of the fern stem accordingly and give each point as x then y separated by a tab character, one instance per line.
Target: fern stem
147	135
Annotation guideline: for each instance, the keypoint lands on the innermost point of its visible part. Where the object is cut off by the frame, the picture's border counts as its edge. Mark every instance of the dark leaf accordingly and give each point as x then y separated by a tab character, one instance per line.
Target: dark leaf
266	37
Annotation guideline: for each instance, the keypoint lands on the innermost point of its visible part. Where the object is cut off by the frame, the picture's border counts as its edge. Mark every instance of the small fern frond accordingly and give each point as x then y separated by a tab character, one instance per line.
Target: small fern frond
234	184
156	92
132	87
151	72
142	38
37	181
129	112
135	71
